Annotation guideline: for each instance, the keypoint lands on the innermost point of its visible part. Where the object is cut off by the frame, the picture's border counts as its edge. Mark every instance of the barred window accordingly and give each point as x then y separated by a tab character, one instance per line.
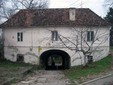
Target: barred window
54	35
20	36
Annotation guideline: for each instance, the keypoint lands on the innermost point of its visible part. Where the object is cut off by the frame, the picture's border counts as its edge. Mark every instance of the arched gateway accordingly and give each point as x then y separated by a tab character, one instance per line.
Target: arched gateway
55	60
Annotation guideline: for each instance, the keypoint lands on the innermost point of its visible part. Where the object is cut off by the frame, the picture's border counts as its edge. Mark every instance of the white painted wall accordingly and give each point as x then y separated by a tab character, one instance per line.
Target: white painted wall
40	37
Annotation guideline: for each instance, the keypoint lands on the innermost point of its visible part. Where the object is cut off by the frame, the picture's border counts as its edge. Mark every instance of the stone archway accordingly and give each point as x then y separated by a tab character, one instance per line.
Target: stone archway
55	60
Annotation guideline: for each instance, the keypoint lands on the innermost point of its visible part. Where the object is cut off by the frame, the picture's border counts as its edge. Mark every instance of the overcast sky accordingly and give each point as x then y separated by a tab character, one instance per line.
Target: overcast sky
95	5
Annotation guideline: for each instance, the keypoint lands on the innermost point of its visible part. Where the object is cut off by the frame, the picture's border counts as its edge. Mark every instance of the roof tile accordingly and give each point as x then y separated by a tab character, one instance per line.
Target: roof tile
54	17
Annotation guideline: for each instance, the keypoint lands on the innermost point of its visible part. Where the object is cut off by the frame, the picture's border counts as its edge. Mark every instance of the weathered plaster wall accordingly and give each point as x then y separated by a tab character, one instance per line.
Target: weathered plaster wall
38	40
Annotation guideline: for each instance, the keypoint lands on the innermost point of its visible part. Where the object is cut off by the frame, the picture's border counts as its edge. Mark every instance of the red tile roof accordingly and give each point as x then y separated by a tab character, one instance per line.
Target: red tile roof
54	17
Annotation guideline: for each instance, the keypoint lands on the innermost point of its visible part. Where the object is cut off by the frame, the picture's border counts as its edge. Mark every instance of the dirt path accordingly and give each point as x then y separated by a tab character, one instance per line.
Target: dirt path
46	78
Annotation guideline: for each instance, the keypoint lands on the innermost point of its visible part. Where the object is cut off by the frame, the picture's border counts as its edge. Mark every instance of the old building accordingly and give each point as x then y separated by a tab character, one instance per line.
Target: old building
55	36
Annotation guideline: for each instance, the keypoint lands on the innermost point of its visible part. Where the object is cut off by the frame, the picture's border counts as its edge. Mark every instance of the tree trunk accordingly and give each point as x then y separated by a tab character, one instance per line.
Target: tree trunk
85	61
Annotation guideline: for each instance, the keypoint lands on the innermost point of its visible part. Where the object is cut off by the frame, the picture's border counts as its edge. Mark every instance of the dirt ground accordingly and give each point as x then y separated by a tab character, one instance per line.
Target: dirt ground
45	77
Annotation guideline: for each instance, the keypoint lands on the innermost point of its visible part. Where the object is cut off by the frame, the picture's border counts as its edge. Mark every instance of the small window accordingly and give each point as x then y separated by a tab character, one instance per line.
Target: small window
19	36
90	36
20	58
90	59
54	35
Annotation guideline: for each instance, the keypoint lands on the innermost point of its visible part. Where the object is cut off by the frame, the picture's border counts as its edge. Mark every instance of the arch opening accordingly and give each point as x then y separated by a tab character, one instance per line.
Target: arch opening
55	60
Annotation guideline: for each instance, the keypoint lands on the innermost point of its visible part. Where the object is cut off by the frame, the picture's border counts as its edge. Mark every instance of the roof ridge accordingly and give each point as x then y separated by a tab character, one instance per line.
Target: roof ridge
53	8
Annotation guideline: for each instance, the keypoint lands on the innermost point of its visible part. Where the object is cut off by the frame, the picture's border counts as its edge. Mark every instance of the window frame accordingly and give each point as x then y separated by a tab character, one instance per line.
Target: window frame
19	36
90	36
54	35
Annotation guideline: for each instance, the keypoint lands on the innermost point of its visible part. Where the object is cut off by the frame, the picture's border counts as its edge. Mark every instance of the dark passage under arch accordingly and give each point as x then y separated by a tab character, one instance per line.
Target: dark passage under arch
55	60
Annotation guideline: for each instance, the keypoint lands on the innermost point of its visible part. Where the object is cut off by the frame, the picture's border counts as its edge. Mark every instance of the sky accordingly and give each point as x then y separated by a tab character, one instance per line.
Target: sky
95	5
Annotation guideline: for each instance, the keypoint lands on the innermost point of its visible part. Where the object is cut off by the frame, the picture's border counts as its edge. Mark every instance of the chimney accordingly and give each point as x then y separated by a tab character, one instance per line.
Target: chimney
72	14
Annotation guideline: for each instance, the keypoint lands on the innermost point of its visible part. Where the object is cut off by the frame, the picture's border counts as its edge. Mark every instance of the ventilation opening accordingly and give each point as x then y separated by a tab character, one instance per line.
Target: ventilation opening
20	58
90	59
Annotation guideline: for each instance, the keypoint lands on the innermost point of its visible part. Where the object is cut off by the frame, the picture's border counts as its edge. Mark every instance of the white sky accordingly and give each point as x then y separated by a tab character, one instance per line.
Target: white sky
95	5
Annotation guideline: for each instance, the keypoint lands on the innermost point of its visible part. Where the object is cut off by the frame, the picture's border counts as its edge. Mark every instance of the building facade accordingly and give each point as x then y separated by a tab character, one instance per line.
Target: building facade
45	35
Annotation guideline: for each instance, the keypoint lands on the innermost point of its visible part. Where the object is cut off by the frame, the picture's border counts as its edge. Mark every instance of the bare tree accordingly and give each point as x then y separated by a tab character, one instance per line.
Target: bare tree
15	5
6	13
33	4
8	9
108	3
85	41
1	3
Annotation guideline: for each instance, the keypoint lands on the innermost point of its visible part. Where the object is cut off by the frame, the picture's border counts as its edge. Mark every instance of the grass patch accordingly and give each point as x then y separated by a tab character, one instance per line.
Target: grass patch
10	70
80	74
9	64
